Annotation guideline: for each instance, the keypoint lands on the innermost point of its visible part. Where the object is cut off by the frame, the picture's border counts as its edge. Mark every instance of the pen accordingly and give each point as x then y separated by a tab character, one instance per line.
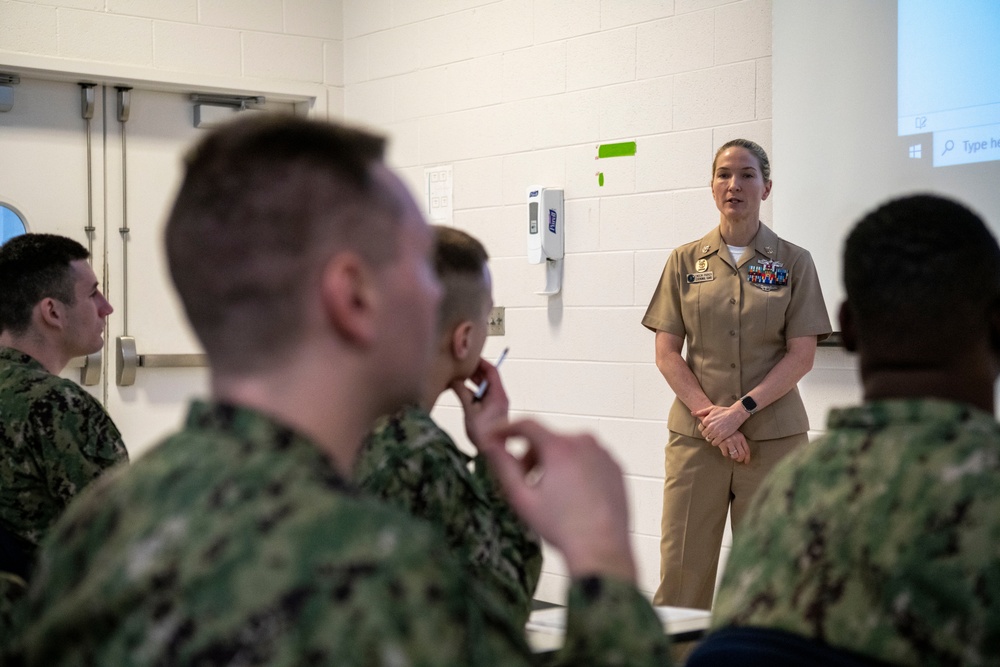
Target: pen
481	389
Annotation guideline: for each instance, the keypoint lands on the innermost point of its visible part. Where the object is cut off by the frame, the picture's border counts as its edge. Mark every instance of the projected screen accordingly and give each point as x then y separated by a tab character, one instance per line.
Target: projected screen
875	99
949	77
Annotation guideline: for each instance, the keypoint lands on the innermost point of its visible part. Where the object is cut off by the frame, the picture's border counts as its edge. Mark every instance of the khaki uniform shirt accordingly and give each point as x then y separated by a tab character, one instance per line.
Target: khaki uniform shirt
736	331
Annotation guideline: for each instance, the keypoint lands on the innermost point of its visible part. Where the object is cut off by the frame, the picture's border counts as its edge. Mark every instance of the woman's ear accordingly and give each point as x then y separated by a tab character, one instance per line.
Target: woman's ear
350	296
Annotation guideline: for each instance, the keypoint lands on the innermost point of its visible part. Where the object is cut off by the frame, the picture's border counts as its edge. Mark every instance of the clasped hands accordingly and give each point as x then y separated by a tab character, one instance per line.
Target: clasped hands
720	426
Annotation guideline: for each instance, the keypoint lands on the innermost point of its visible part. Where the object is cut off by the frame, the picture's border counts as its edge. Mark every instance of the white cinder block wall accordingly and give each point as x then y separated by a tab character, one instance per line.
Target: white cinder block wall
290	47
509	93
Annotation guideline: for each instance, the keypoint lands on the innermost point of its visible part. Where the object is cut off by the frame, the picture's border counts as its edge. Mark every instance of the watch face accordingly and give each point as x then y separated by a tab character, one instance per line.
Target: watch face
749	404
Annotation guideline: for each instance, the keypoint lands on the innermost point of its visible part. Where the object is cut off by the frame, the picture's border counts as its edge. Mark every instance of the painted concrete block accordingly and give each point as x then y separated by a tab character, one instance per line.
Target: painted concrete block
756	130
195	48
484	30
764	107
538	167
554	562
334	103
583	225
356	60
636	108
315	18
679	44
560	19
184	11
242	14
685	6
638	444
580	388
363	18
102	37
674	161
648	269
461	136
88	5
404	143
653	396
469	84
496	229
571	119
393	51
590	176
369	102
413	11
743	31
715	96
333	63
617	13
552	587
477	183
646	551
646	501
598	279
596	334
601	59
536	71
29	29
695	214
282	57
635	221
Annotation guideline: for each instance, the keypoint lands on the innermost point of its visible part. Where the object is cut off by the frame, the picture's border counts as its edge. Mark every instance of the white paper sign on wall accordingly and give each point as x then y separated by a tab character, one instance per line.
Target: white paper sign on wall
439	194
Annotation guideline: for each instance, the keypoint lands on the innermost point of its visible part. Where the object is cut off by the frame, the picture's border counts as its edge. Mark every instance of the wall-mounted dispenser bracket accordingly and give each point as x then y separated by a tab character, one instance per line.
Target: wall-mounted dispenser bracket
547	235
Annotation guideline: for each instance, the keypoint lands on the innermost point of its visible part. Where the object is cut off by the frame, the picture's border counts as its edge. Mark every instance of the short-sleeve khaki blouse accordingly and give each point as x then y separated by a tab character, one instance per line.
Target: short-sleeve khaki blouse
736	330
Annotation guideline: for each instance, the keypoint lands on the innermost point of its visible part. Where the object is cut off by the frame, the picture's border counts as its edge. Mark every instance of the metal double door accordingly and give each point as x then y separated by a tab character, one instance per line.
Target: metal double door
100	164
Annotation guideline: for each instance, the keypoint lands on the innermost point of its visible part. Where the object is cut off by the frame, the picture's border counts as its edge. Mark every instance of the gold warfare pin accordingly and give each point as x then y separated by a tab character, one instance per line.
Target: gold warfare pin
701	265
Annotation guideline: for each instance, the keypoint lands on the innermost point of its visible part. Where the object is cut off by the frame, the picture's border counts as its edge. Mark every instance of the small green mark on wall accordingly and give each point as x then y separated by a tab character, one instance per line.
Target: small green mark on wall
622	149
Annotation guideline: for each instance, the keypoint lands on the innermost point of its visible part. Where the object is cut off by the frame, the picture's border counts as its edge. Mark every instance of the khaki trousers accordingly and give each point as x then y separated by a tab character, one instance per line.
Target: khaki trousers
698	489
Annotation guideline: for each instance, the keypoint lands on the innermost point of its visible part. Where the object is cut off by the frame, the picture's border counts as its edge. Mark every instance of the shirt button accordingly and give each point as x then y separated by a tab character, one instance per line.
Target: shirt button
735	397
732	333
732	300
732	365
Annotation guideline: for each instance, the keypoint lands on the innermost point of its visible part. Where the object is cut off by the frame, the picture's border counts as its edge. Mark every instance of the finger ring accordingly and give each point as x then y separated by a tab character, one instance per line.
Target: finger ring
732	452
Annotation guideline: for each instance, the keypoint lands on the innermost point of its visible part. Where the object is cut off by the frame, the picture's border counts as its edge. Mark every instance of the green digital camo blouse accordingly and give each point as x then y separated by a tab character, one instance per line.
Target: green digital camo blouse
55	438
236	542
412	464
882	537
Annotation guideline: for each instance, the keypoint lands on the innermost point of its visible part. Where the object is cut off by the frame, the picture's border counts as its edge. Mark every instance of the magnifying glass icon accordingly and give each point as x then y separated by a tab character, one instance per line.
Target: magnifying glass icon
948	145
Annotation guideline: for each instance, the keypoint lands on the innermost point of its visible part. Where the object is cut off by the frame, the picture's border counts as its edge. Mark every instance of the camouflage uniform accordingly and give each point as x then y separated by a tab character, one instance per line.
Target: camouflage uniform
883	537
236	542
414	465
55	437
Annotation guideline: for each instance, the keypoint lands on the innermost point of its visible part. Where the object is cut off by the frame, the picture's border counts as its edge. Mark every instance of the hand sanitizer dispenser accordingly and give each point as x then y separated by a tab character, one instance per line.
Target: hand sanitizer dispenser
546	236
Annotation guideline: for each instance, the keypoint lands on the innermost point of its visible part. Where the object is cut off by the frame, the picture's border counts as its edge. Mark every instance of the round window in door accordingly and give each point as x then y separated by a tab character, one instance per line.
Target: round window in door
11	223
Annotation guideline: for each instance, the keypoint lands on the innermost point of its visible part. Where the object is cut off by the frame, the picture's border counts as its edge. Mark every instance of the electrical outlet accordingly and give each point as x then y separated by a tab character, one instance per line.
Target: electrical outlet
496	322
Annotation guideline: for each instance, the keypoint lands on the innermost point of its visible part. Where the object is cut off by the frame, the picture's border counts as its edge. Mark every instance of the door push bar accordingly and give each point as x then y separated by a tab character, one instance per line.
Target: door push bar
129	360
90	368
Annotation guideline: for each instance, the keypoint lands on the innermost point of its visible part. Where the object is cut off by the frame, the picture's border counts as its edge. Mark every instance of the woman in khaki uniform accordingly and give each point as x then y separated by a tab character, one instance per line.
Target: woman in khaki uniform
750	308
